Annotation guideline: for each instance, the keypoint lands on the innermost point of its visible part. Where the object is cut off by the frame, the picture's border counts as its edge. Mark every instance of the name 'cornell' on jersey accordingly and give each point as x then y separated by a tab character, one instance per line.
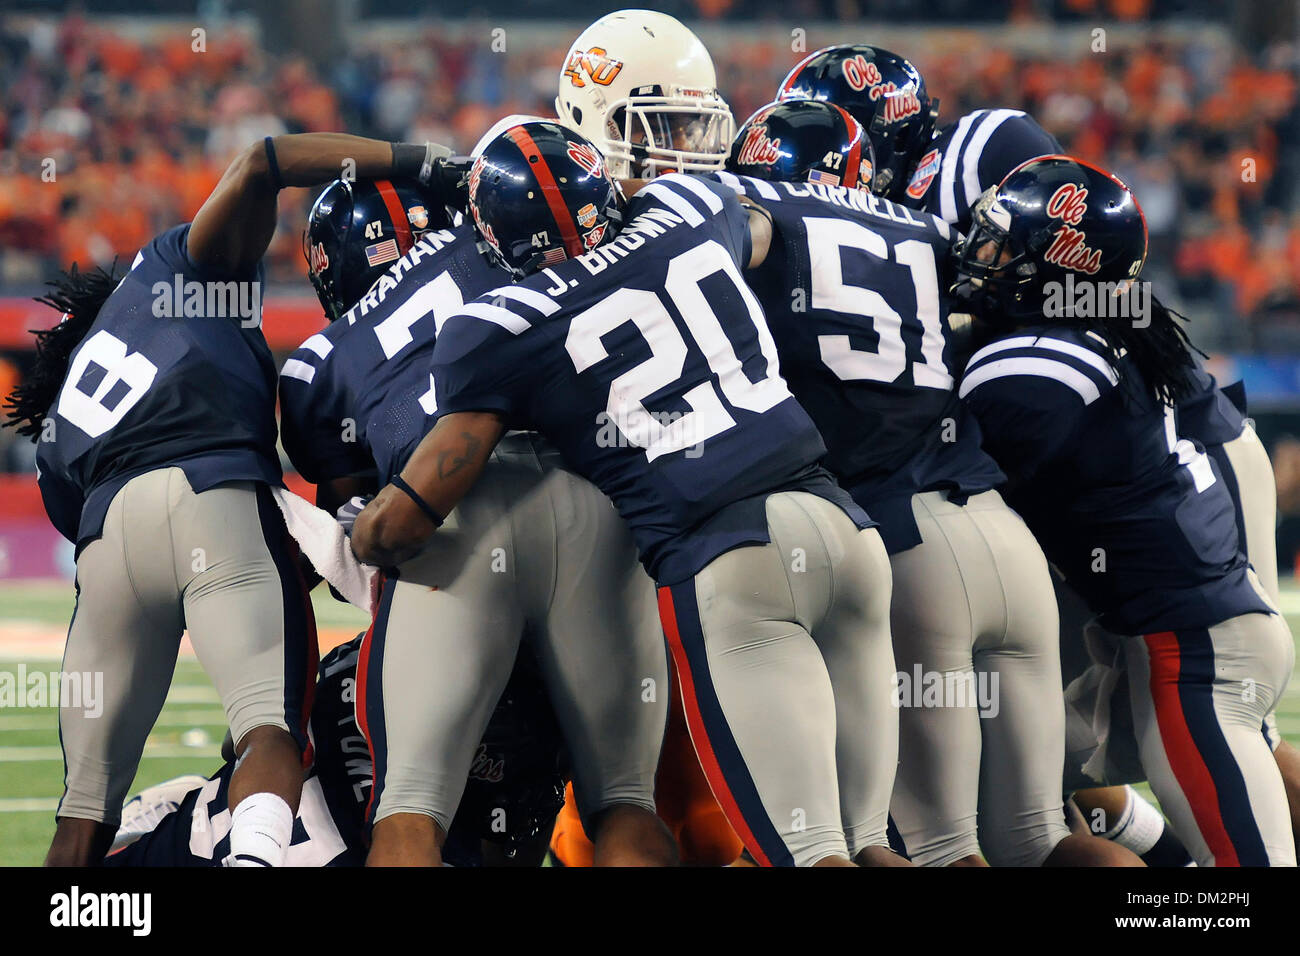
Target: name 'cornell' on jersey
853	293
648	363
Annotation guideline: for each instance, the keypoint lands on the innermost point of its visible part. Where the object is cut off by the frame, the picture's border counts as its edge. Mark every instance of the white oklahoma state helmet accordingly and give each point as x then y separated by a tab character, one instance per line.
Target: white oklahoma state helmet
642	87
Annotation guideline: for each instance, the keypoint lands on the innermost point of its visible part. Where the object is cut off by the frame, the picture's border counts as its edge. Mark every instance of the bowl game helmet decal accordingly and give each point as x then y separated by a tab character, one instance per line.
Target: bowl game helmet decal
642	87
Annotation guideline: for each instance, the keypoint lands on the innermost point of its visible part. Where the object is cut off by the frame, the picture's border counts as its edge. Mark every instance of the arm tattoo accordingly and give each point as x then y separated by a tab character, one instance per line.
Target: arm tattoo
450	462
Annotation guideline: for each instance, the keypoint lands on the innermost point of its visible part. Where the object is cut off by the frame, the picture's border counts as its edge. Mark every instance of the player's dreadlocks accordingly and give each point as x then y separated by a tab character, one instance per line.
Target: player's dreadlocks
79	296
1161	350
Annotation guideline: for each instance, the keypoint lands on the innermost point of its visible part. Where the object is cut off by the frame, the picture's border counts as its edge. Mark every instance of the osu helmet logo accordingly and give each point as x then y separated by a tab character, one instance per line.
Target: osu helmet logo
599	67
586	157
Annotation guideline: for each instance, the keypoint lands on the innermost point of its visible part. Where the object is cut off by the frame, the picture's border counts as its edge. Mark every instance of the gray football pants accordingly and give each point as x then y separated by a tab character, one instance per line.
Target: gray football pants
219	565
783	654
532	552
981	723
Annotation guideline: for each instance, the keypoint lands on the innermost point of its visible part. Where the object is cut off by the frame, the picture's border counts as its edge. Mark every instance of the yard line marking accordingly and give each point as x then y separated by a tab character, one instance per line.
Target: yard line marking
14	722
151	751
29	805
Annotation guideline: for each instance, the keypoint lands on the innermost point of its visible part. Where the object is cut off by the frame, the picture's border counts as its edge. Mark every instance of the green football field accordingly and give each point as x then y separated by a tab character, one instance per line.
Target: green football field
187	737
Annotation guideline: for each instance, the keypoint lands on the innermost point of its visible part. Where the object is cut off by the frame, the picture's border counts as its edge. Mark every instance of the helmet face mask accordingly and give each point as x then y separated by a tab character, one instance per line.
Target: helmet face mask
654	135
995	273
642	87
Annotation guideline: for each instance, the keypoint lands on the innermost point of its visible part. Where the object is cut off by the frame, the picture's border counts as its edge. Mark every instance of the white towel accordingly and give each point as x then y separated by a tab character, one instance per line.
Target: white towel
322	540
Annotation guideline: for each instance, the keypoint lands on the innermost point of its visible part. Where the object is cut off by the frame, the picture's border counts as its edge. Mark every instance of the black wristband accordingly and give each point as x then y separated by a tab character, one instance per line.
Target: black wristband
276	182
409	160
400	483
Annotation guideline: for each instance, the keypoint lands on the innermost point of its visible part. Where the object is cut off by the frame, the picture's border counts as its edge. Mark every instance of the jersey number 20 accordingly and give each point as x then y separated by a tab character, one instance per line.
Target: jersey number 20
708	416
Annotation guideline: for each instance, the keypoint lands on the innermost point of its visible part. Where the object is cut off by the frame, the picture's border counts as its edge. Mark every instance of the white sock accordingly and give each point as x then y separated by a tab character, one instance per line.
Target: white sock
260	831
1139	826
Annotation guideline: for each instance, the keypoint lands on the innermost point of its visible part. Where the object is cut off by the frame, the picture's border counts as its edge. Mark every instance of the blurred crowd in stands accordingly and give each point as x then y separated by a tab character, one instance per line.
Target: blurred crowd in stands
135	135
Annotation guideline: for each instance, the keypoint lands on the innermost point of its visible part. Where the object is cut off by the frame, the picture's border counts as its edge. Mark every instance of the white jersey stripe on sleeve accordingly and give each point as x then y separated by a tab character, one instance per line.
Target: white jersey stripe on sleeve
763	188
1042	368
948	172
530	297
508	320
320	345
712	201
970	159
731	181
674	201
1043	342
296	368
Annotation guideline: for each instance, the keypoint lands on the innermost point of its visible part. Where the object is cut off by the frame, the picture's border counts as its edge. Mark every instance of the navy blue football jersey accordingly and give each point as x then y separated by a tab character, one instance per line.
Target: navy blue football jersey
1136	518
173	371
647	362
356	398
853	294
1209	415
967	157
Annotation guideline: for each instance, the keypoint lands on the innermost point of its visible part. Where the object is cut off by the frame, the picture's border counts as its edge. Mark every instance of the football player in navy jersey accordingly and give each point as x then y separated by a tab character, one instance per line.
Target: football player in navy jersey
851	286
154	405
942	171
513	792
632	342
535	553
1079	412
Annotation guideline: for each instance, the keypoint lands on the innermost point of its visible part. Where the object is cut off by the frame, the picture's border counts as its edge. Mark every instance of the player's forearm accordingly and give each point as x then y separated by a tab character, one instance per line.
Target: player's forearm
235	225
399	522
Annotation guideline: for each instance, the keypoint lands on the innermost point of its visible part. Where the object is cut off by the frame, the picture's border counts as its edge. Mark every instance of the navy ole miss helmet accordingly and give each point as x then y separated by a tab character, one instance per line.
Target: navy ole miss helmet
883	92
803	141
357	230
539	194
1051	218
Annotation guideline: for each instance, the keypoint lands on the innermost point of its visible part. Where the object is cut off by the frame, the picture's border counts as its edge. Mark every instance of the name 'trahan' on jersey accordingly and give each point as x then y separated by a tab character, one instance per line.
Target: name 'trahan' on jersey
649	365
173	371
1138	520
853	292
357	397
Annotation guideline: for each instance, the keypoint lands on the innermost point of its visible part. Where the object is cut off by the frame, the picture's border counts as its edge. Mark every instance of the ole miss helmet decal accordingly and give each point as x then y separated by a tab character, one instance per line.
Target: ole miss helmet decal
758	148
586	157
1069	248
